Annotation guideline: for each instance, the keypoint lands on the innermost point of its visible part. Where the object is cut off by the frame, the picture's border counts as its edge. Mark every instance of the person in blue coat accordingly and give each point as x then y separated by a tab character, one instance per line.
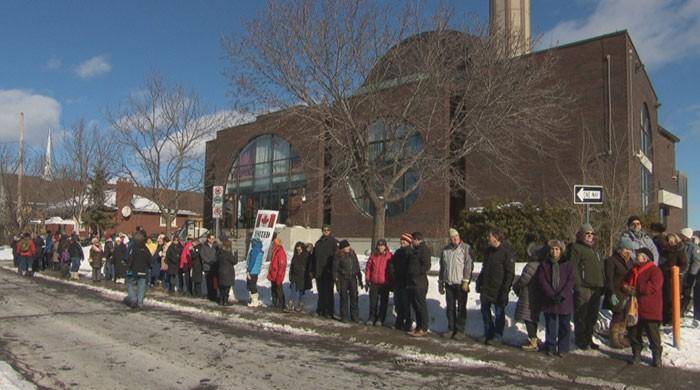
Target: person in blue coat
253	266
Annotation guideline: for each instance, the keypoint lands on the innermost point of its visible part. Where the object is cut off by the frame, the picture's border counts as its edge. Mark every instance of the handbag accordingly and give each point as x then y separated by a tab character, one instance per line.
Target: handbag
632	312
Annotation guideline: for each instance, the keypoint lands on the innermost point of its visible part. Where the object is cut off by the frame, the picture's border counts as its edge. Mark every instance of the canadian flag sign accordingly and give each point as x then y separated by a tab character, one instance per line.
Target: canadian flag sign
264	229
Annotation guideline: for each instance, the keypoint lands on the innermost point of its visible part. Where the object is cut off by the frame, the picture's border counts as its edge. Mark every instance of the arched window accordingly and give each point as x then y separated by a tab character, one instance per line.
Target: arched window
266	174
388	144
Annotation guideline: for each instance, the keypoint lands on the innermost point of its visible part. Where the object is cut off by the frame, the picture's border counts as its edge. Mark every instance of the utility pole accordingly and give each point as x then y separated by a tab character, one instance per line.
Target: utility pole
20	172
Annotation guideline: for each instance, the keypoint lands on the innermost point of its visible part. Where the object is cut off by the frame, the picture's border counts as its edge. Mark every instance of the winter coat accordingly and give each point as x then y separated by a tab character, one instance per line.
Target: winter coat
208	255
692	253
139	261
649	290
418	267
616	270
497	274
377	269
299	269
196	259
642	240
565	290
226	270
673	257
324	251
119	259
589	267
26	247
456	264
255	257
526	287
108	251
278	265
96	255
346	266
186	256
76	251
155	261
173	256
39	245
398	266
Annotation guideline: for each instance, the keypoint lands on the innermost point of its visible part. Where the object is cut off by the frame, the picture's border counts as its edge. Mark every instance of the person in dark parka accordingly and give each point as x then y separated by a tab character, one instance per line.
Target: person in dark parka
299	277
119	258
347	275
138	268
589	285
322	269
617	267
173	258
398	268
226	260
673	254
494	283
197	268
526	287
557	278
417	283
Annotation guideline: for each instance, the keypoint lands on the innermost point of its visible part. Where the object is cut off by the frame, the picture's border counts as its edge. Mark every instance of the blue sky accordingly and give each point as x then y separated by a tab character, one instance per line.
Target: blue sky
65	60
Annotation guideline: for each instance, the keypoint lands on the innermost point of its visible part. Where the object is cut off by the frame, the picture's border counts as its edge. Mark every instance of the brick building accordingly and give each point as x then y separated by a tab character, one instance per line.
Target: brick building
260	164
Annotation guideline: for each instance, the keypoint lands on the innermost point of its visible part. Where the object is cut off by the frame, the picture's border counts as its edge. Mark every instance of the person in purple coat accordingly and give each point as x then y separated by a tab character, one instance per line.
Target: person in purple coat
556	279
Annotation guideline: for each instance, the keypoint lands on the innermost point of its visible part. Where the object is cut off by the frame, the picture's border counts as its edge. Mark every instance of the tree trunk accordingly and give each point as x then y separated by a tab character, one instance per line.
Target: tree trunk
379	223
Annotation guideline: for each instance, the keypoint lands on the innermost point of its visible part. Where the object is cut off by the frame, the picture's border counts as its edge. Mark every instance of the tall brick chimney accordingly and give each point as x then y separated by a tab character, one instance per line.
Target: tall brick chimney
510	22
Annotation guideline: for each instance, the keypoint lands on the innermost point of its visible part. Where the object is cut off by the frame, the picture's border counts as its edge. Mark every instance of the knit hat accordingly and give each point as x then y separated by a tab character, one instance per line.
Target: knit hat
326	226
687	233
407	237
625	243
632	219
586	227
647	252
453	232
381	242
343	244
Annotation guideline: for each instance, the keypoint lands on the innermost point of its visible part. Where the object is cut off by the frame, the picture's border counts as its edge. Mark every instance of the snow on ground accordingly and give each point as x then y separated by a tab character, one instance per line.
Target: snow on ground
686	357
11	379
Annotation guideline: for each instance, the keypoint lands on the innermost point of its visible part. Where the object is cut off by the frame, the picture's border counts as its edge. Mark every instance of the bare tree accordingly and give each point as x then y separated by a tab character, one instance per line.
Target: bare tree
604	164
162	130
399	95
34	207
82	150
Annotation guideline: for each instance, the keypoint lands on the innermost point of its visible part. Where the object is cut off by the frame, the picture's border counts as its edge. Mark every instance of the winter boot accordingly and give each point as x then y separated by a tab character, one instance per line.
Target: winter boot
636	358
75	276
656	360
531	345
300	307
617	332
222	300
254	302
290	306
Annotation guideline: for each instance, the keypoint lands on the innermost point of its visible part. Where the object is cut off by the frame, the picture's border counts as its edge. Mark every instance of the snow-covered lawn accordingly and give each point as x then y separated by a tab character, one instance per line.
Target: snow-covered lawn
687	357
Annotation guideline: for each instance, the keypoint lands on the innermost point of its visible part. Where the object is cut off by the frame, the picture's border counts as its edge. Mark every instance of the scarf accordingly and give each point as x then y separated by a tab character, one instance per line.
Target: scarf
555	275
636	271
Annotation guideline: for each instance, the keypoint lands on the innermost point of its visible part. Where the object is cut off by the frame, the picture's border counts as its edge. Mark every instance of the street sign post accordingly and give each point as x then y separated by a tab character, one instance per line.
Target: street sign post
588	195
217	205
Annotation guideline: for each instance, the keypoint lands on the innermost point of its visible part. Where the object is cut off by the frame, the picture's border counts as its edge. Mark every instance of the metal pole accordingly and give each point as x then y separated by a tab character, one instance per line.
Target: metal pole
588	213
217	228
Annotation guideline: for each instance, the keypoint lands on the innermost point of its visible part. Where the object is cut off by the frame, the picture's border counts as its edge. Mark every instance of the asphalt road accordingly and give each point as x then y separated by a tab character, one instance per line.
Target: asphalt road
60	335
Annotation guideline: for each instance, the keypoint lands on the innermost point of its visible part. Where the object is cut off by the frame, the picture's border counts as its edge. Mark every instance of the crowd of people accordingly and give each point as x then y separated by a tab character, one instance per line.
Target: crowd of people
562	282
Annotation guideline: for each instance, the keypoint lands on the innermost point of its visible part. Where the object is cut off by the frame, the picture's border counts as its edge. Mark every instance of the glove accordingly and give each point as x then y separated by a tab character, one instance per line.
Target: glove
441	288
367	287
465	286
614	300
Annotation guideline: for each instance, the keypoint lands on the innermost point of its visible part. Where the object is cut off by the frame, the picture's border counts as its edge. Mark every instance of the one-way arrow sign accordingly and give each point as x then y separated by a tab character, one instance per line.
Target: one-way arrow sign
585	194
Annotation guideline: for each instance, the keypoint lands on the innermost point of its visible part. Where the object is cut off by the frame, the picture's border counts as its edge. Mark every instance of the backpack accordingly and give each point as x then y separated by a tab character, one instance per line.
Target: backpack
24	245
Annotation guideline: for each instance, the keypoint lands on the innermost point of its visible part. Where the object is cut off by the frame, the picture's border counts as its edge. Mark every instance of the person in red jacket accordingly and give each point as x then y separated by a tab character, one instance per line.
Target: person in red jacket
276	273
186	267
377	282
645	281
26	250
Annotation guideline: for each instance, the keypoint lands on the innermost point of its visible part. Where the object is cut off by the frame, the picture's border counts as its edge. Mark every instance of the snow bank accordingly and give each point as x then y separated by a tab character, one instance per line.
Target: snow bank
11	379
5	252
